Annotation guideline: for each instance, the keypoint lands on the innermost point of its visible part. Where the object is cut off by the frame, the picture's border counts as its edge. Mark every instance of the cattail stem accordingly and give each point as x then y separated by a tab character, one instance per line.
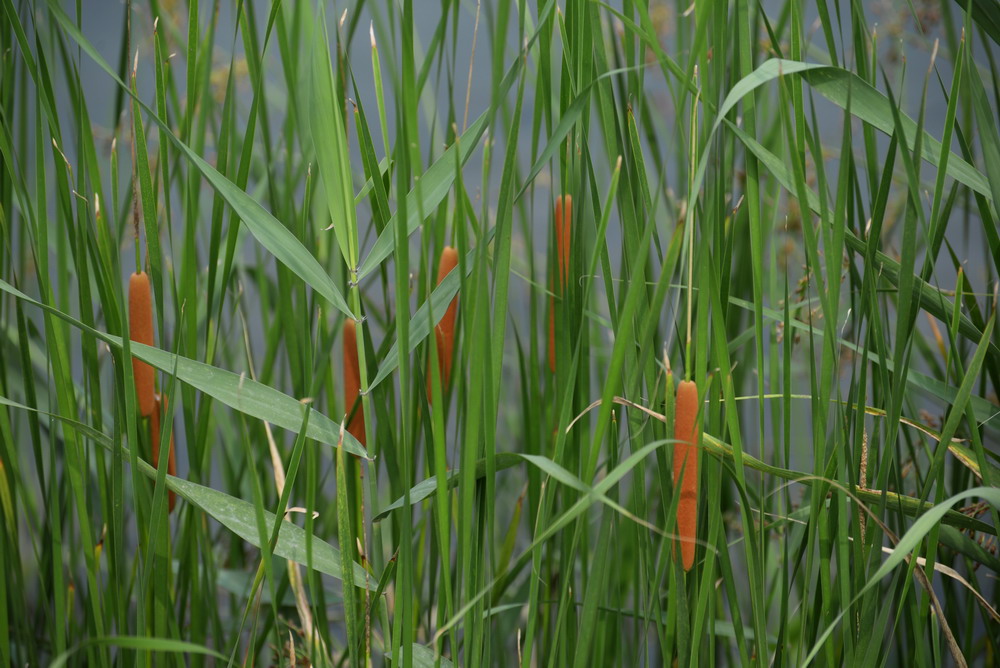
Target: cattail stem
140	317
564	217
444	332
552	334
688	439
352	383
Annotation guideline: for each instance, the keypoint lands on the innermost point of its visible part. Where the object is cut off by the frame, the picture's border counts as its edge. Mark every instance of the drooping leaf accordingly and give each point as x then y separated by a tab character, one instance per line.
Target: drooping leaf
235	514
236	391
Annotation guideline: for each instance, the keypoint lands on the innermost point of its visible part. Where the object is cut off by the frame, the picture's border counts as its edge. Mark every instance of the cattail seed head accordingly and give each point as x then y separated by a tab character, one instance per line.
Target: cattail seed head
444	332
352	382
564	217
155	421
688	439
140	319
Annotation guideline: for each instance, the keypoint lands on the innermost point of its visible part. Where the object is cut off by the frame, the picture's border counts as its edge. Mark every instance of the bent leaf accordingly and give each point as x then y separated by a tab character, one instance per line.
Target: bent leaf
238	392
235	514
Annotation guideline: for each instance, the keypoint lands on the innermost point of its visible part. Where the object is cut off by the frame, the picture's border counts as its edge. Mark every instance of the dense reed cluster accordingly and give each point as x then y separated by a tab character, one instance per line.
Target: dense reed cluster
398	333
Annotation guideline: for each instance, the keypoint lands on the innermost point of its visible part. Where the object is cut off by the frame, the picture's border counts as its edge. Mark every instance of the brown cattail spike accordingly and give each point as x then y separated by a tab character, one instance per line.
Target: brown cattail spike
444	332
687	437
564	217
352	382
140	319
154	436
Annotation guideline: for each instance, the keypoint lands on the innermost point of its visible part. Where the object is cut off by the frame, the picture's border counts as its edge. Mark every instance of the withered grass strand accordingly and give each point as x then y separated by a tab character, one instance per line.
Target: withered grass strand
564	217
444	332
688	437
140	317
352	382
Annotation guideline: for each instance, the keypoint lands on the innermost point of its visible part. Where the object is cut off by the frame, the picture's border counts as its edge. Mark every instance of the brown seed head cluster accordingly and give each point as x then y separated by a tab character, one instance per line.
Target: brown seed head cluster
688	438
444	332
564	218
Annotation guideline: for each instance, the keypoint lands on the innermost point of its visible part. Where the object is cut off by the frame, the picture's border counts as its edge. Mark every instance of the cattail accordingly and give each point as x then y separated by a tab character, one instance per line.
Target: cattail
154	434
444	332
688	438
140	319
564	217
352	382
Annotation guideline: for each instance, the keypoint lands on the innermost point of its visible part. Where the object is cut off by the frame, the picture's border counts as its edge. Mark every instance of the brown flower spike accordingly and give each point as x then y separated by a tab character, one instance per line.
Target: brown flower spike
154	436
688	438
444	332
352	382
564	218
140	321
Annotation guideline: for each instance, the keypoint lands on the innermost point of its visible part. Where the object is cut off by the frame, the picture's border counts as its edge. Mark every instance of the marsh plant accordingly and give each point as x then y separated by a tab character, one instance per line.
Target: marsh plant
541	333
